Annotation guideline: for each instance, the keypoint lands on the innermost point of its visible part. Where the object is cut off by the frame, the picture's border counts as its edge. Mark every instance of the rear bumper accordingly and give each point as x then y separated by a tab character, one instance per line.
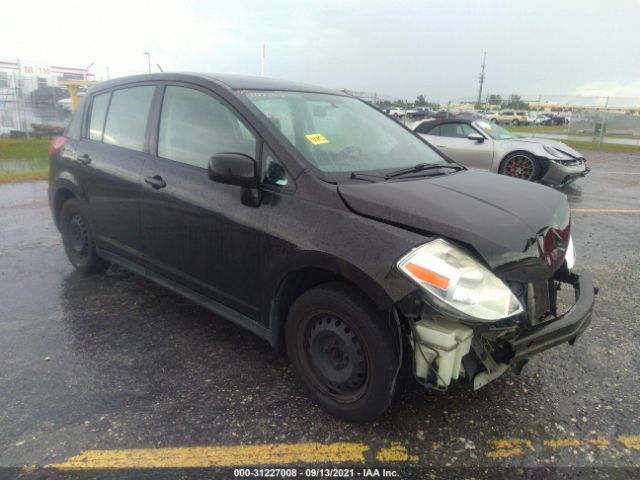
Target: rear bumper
564	329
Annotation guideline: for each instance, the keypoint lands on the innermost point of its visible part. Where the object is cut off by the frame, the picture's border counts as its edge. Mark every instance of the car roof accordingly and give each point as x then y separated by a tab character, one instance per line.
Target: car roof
233	82
440	121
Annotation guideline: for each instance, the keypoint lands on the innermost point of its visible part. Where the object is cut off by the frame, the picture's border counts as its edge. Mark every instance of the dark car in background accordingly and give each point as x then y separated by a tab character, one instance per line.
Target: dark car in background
320	224
48	95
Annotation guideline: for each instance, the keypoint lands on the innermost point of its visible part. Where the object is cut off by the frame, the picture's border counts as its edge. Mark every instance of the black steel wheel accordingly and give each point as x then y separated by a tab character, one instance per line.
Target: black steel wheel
77	238
520	165
342	351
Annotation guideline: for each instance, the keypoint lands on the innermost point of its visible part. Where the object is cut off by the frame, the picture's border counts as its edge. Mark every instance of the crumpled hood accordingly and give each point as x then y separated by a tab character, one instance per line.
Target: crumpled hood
521	229
545	141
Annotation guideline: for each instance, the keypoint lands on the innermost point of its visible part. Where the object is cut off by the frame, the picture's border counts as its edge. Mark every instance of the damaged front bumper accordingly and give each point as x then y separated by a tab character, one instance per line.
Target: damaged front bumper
560	173
565	328
446	350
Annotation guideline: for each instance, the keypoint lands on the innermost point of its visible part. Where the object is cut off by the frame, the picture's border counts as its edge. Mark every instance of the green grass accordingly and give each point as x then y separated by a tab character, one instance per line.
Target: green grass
34	148
605	147
541	128
24	159
564	131
26	176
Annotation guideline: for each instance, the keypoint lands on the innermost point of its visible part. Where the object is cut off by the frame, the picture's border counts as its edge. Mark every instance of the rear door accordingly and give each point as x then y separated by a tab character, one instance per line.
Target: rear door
451	139
197	232
111	154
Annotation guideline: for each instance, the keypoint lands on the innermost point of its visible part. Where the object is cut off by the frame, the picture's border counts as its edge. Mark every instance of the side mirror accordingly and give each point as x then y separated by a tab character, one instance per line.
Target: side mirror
476	137
234	169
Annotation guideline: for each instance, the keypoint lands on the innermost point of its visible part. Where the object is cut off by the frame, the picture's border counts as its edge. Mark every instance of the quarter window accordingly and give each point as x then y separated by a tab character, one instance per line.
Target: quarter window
98	113
127	118
194	126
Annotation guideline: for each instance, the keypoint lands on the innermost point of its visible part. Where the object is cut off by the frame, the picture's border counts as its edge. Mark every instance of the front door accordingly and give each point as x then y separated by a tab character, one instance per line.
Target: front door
195	231
451	139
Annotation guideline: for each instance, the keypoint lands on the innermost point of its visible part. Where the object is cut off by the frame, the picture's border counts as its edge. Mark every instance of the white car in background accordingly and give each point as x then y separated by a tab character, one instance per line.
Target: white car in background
64	104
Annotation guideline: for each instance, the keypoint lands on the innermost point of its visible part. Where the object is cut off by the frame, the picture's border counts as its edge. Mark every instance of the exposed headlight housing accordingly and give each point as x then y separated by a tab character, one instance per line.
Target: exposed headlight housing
450	275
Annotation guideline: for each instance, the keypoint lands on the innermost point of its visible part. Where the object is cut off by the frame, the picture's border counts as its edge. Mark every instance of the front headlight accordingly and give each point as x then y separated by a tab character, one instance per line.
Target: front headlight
457	279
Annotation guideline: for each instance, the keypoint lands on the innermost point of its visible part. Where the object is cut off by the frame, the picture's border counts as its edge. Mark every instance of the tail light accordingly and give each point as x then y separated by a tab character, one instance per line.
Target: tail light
56	144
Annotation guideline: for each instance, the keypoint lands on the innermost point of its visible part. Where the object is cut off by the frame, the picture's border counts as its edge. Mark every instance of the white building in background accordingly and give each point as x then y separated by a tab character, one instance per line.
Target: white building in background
29	76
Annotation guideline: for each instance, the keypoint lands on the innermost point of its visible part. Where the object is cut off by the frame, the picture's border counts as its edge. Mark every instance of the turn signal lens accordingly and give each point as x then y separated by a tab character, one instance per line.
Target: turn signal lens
428	276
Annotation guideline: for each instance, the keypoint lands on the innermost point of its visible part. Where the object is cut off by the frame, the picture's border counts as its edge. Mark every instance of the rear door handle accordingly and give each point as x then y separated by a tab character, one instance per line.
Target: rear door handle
156	181
84	159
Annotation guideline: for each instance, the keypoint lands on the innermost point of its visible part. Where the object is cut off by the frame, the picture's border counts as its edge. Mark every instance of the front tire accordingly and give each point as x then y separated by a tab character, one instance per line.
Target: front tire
520	165
342	351
77	238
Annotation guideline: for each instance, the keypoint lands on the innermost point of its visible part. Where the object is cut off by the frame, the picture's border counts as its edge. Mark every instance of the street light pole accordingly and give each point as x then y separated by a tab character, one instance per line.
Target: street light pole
148	60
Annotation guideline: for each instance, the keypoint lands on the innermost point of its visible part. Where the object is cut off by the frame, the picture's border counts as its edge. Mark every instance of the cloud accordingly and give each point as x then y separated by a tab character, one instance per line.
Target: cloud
611	89
114	33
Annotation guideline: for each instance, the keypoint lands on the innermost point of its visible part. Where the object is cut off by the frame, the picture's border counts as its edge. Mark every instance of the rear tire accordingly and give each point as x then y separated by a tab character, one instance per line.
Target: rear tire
342	351
77	238
521	165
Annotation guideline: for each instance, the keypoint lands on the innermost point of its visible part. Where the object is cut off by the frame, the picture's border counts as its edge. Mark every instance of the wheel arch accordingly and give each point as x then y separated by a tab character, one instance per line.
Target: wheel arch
308	271
506	154
63	189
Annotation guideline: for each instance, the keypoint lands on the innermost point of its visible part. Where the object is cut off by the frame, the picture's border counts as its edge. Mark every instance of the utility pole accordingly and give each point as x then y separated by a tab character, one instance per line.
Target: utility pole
148	60
263	55
482	75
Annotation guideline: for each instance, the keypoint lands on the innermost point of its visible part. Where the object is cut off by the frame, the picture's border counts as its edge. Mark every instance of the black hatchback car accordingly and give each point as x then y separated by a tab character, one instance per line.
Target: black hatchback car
320	224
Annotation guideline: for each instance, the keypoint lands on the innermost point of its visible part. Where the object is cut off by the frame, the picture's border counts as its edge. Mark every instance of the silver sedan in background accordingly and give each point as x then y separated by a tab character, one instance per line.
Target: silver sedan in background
480	144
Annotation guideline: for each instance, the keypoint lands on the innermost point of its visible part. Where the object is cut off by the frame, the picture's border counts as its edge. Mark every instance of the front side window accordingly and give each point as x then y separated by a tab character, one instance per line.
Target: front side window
337	134
126	123
98	114
194	126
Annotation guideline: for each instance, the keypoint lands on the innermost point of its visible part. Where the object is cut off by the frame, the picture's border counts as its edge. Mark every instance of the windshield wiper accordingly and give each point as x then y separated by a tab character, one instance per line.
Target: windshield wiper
420	168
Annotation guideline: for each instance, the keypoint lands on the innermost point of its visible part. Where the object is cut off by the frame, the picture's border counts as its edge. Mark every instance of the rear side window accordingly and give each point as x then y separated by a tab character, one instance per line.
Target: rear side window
98	113
459	130
127	117
194	126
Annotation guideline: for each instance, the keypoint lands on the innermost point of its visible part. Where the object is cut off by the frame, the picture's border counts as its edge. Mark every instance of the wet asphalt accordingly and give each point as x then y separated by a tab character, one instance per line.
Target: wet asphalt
115	362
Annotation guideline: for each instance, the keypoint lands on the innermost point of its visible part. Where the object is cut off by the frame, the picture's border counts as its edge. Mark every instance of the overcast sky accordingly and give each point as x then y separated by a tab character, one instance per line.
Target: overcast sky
396	48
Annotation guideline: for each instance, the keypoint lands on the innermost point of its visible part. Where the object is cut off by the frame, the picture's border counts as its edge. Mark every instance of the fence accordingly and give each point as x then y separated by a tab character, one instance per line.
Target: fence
597	119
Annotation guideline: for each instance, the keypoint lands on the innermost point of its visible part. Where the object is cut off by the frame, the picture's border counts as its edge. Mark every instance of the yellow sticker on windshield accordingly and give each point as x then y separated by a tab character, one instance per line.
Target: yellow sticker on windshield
317	138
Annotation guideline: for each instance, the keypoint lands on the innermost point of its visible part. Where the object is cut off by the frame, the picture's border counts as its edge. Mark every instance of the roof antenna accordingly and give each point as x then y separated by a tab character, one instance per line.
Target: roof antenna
159	67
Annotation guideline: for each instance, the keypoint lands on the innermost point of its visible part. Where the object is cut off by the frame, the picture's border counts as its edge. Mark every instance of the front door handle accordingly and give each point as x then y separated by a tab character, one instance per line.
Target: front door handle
156	181
84	159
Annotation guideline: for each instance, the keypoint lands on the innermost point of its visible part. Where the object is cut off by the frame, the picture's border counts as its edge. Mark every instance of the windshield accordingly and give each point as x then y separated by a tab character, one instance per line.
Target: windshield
494	131
341	134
